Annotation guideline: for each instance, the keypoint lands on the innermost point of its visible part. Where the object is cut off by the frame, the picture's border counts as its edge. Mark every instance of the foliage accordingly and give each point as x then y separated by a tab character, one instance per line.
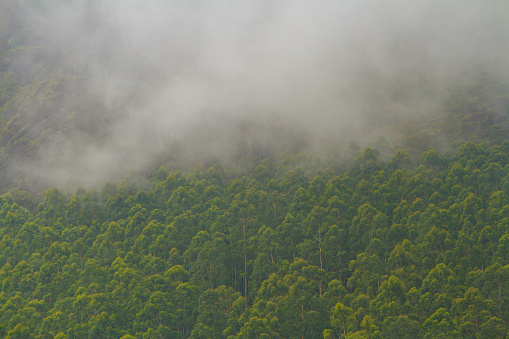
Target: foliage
385	252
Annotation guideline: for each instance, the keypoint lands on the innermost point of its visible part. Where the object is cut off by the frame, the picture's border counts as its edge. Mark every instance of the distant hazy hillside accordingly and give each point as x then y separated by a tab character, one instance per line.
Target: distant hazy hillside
89	90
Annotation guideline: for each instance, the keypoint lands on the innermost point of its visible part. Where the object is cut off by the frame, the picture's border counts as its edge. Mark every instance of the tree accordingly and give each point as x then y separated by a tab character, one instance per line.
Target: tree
214	307
440	325
158	311
401	327
495	286
18	332
256	328
340	319
471	311
400	160
365	226
367	271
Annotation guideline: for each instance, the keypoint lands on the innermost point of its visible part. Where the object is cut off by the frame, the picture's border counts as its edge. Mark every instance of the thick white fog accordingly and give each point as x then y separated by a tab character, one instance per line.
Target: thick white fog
210	75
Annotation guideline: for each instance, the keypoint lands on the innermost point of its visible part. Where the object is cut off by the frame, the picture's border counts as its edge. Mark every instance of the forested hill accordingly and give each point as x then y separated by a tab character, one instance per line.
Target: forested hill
88	86
384	250
232	207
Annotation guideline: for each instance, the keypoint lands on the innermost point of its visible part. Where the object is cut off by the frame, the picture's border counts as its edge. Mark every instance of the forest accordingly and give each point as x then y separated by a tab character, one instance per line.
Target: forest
254	169
292	249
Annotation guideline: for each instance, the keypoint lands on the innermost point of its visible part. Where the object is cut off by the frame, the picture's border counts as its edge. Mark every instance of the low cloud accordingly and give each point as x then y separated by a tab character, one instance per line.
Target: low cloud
205	77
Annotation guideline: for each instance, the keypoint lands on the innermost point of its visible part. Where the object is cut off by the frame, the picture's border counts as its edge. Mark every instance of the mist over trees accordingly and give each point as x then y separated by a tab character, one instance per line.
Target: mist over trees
91	89
175	169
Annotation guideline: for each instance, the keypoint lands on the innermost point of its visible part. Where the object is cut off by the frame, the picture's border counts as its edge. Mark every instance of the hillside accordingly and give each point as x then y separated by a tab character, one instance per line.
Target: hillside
381	250
89	91
253	170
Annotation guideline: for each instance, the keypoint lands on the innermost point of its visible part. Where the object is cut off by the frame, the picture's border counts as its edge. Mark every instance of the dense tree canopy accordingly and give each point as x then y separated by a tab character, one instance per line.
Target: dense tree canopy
405	248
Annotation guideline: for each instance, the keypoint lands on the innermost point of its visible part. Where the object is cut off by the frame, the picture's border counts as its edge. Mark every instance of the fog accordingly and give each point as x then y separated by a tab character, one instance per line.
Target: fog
213	79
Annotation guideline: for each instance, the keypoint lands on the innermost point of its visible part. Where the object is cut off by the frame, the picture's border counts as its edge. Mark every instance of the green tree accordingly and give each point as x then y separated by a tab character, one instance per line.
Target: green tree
340	319
440	325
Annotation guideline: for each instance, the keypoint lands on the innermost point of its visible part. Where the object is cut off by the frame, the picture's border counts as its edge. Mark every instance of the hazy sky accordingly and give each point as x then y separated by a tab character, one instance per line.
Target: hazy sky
208	75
